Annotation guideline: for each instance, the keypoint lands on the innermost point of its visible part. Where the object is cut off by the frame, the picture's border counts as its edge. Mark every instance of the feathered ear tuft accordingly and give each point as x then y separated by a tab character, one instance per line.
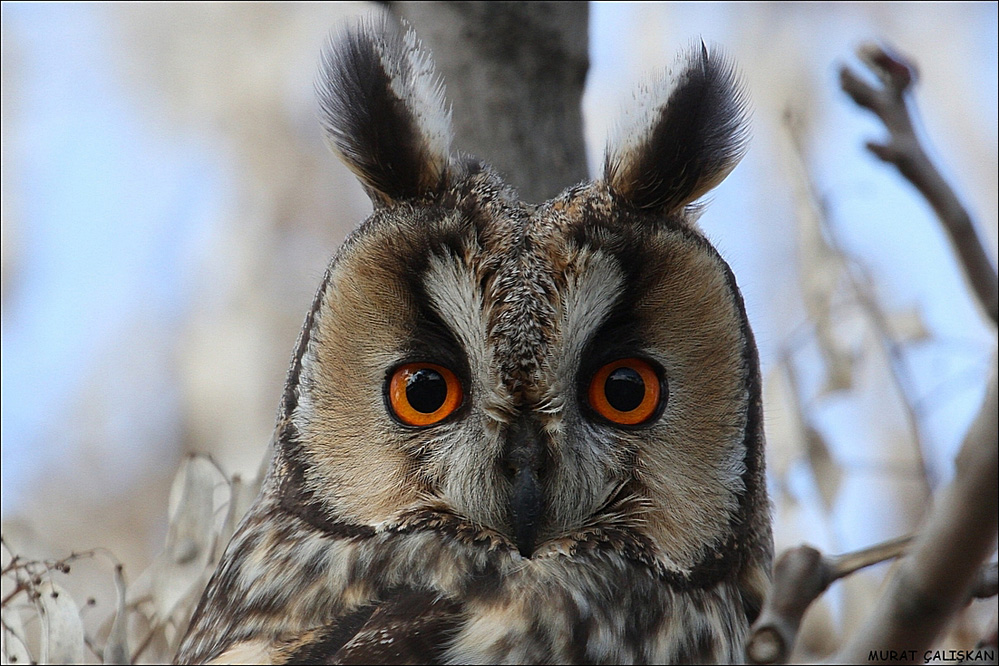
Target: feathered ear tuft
682	139
382	107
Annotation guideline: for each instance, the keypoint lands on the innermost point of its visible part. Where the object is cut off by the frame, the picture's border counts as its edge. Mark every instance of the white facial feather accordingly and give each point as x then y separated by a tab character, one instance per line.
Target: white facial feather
592	291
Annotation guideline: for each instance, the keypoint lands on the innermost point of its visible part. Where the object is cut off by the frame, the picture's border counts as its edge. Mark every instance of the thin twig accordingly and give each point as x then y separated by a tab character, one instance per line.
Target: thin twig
890	103
20	587
803	573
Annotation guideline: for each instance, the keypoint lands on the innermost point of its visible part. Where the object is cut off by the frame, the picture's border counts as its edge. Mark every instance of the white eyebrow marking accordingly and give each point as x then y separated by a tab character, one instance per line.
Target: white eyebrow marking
455	295
590	294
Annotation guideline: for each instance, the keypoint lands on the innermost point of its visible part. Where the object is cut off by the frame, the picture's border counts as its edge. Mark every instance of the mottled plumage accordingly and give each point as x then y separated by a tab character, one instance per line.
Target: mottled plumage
530	522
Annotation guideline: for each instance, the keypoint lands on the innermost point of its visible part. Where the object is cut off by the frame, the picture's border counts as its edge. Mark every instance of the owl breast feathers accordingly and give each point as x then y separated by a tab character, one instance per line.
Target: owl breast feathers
510	433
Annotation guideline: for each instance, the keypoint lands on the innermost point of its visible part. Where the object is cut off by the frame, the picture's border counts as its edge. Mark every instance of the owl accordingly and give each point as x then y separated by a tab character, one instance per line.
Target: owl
510	432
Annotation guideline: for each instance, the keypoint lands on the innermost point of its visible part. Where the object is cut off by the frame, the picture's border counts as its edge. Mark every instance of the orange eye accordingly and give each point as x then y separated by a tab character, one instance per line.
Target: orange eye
625	391
423	394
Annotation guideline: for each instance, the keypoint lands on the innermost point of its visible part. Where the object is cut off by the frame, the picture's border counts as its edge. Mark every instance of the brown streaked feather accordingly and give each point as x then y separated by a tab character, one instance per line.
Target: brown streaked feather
373	540
409	627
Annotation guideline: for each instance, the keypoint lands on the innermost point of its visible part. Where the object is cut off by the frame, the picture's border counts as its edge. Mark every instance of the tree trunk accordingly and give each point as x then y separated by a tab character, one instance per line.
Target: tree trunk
515	73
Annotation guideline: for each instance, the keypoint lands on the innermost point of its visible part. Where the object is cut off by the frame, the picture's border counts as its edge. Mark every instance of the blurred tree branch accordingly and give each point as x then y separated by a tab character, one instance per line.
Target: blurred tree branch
903	149
801	575
943	572
937	578
943	569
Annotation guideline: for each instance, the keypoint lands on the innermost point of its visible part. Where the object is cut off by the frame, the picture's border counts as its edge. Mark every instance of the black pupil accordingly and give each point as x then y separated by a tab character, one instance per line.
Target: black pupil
624	389
426	390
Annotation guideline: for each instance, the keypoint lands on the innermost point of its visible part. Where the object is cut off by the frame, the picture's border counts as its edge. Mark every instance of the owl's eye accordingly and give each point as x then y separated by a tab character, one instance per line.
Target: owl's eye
422	394
626	391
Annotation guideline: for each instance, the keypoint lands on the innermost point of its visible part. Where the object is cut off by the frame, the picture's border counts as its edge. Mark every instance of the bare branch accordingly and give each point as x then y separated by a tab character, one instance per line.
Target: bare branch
844	565
937	579
799	578
991	638
987	583
801	575
903	149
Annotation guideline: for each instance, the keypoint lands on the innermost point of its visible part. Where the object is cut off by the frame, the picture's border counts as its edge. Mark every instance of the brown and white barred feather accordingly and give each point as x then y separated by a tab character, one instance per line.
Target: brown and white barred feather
523	527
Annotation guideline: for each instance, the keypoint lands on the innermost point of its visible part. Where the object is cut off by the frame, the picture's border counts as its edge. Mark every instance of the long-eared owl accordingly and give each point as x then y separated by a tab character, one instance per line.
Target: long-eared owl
510	432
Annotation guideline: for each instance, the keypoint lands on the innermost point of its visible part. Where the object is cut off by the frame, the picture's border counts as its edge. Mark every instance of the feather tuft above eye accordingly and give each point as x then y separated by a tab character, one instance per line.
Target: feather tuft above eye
681	138
383	110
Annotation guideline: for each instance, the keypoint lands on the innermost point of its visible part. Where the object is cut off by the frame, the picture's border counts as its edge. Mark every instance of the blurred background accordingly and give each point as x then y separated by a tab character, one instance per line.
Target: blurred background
169	207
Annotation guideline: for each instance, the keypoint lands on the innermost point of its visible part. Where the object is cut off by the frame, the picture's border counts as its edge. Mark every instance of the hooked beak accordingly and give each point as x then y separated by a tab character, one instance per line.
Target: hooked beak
524	460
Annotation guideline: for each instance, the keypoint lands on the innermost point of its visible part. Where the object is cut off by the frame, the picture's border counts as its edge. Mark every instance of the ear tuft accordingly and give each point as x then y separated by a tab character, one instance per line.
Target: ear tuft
382	107
682	139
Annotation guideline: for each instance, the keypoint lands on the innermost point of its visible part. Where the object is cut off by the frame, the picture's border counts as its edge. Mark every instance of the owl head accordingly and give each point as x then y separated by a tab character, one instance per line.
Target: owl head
538	378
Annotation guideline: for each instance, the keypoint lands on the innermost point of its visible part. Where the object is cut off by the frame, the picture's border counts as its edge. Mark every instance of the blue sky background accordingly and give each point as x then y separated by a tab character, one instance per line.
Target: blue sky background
106	211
